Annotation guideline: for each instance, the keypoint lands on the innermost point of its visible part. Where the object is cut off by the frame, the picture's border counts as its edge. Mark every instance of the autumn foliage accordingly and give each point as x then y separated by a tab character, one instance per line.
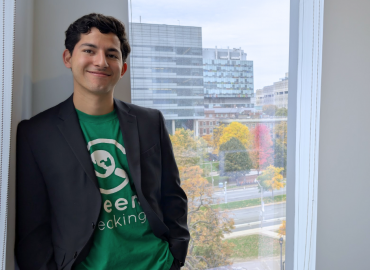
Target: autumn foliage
206	225
271	179
282	228
235	130
262	152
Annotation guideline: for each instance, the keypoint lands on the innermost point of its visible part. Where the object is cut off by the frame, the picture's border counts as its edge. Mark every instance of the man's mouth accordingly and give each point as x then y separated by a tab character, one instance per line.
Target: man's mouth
99	74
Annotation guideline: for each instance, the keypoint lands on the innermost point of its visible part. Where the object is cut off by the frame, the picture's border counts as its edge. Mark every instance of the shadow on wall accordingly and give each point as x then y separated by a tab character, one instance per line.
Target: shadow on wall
50	92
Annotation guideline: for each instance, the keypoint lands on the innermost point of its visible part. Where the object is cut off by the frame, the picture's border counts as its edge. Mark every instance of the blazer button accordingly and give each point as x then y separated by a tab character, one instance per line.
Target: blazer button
75	256
93	225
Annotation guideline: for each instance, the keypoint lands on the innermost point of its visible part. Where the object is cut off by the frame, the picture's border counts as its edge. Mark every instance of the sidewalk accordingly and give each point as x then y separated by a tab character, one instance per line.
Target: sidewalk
266	231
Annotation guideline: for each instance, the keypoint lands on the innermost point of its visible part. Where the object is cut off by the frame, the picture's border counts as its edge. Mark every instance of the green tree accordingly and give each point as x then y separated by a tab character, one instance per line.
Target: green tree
235	161
280	146
271	179
269	109
281	112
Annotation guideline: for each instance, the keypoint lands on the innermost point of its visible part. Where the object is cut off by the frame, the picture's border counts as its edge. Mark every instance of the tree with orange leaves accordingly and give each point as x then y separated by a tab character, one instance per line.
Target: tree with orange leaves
262	151
206	224
282	228
271	179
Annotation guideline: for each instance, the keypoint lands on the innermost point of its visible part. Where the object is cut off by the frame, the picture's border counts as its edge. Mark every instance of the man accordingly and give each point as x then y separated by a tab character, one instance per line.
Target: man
97	183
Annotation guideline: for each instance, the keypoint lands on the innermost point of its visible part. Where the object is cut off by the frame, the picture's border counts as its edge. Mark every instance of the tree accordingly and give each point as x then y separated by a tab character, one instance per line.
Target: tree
262	147
280	146
235	130
269	109
282	228
271	179
217	133
234	161
188	150
208	139
281	112
206	224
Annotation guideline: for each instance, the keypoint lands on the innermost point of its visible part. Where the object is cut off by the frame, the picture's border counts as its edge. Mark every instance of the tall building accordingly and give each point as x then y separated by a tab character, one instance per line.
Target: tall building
228	79
167	71
276	94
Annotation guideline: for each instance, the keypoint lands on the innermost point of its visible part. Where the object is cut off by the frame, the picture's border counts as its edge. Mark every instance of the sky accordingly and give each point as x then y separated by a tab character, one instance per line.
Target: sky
259	27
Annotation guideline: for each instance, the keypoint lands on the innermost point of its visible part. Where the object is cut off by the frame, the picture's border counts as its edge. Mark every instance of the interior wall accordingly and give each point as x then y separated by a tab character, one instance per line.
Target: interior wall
22	105
52	81
343	190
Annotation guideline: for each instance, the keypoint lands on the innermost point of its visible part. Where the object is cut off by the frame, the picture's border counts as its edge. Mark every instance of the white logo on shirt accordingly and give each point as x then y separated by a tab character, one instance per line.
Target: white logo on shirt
105	160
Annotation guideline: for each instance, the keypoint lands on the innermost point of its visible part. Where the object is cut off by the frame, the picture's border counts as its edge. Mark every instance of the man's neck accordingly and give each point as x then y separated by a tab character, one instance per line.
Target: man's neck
93	104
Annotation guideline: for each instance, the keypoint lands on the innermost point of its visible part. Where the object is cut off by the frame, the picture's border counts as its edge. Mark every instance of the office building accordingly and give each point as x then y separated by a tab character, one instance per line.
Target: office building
228	78
276	94
167	71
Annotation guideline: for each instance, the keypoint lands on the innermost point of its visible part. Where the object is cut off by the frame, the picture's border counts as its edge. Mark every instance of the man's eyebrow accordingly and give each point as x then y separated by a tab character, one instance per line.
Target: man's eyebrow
94	46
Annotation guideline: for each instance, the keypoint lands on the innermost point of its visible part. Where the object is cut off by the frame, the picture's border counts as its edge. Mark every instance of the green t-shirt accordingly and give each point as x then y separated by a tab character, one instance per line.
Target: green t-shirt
123	238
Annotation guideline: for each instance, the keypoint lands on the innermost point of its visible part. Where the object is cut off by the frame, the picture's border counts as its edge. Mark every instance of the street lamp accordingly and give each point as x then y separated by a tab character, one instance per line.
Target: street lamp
262	204
225	192
281	252
213	187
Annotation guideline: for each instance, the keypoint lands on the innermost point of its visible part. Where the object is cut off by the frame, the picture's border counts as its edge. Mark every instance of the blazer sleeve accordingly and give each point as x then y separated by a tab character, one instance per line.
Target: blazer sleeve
33	247
174	201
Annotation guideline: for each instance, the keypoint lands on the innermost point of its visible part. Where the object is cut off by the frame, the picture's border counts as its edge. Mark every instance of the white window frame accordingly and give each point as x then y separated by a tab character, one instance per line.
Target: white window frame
7	26
305	61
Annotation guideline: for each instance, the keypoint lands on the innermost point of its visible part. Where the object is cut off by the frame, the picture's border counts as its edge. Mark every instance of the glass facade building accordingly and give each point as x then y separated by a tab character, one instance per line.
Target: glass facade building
167	71
228	79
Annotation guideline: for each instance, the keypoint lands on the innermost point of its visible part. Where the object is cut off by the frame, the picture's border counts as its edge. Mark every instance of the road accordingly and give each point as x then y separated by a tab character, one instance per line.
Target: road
245	194
249	218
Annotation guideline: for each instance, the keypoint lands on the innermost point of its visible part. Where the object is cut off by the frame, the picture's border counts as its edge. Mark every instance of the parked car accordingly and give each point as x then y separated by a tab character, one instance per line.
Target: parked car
220	185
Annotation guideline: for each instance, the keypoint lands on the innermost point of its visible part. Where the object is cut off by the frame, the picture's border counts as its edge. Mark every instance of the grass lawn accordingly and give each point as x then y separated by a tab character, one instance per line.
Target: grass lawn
207	165
254	246
249	203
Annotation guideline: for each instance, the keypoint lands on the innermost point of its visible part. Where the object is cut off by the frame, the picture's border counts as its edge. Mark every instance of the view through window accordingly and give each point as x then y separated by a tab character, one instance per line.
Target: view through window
217	70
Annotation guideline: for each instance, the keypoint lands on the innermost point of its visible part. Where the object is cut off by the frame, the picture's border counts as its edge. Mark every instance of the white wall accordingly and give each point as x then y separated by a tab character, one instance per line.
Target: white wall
40	78
343	236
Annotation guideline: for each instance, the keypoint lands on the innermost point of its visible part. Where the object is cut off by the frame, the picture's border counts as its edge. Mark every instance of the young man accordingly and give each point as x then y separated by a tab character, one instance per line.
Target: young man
97	183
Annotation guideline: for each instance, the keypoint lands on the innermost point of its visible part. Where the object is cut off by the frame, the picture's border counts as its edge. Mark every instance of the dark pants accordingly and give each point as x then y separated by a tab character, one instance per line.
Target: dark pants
175	265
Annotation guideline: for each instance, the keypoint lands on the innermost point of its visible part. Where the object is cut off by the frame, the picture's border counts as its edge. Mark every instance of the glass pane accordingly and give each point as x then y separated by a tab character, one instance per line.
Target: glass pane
218	73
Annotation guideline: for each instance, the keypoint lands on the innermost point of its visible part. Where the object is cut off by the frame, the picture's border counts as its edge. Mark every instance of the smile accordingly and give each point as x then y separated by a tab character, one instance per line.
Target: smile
99	74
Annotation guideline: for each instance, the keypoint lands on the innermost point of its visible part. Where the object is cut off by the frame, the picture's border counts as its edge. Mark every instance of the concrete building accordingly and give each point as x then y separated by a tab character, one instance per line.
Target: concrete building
276	94
213	116
167	71
228	78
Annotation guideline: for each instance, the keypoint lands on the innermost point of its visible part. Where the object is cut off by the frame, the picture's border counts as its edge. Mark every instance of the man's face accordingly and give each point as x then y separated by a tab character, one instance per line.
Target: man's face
96	62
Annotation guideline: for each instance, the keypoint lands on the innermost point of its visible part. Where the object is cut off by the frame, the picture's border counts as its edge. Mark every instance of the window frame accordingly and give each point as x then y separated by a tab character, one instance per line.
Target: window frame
305	62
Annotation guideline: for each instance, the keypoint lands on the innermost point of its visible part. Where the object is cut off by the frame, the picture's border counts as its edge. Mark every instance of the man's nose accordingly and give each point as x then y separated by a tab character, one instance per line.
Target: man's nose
101	59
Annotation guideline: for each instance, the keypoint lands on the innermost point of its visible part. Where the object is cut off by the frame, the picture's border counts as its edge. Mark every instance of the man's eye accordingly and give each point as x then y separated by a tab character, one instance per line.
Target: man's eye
112	56
88	51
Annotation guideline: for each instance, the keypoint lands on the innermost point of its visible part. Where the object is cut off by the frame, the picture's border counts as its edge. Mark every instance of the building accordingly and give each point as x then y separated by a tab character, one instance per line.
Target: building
213	116
228	79
276	94
167	71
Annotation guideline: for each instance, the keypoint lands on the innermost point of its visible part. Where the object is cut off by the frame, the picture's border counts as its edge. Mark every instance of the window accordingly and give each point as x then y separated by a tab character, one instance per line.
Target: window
226	86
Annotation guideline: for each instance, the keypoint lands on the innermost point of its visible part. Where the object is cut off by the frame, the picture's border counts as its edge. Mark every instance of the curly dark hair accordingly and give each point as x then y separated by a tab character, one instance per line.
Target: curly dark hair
105	24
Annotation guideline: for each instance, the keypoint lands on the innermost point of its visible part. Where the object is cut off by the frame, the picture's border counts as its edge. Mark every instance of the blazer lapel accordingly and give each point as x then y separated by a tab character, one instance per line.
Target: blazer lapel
130	134
71	130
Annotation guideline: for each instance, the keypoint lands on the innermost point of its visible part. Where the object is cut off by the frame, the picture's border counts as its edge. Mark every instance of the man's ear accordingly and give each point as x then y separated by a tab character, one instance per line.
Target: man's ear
124	69
67	58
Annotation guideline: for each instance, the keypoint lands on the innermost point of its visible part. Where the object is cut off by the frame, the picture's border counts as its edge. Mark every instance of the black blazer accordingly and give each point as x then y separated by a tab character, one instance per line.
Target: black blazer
58	199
